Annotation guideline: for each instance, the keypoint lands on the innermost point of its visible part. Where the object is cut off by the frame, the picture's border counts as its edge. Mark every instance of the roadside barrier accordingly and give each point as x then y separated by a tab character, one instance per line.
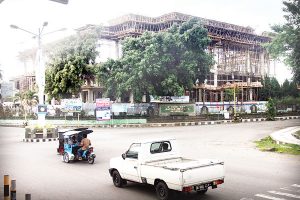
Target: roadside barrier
10	189
13	191
27	196
6	187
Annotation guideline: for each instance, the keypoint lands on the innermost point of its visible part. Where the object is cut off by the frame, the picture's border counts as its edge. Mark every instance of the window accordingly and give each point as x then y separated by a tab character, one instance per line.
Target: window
159	147
133	151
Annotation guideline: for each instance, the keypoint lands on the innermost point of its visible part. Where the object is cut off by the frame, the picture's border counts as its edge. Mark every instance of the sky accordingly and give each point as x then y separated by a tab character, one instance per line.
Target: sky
31	14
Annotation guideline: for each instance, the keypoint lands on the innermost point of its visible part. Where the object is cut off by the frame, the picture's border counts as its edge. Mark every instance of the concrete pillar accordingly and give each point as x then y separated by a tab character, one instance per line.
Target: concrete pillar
274	63
117	49
222	95
80	95
250	94
131	98
248	63
90	96
216	96
215	79
200	95
263	69
144	98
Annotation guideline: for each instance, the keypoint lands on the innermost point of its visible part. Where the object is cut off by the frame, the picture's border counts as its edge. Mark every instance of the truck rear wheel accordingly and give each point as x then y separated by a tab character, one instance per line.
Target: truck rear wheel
118	181
162	191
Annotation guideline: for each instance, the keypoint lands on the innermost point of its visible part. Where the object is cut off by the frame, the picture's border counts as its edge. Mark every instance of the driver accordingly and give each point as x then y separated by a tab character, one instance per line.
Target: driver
73	143
85	143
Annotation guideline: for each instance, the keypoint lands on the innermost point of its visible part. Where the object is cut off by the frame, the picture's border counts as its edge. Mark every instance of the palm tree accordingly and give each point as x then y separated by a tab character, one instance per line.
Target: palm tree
27	100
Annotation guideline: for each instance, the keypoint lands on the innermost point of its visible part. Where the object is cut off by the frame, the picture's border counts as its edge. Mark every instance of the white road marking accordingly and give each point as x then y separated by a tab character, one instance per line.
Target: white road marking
285	194
268	197
284	188
296	185
246	199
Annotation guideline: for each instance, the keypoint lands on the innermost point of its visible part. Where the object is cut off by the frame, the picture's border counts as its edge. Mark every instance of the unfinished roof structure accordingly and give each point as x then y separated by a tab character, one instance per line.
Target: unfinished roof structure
241	60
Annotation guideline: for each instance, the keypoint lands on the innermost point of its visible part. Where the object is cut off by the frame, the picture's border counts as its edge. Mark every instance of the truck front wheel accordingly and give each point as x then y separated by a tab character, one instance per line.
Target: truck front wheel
162	191
118	181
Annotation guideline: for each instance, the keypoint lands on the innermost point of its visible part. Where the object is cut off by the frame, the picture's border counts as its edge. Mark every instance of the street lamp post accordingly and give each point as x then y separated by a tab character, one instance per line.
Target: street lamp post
40	69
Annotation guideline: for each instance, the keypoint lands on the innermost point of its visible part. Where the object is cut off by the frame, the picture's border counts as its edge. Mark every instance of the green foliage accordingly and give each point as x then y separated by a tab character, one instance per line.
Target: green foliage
271	110
229	94
286	43
71	64
289	100
270	89
164	63
268	144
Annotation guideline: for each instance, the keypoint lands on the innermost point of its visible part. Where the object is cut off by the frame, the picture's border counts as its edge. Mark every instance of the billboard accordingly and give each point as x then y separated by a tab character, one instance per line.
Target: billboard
169	99
103	107
71	105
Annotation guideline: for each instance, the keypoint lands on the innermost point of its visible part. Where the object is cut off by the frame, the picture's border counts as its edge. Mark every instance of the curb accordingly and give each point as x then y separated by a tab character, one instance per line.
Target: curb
40	140
284	136
172	124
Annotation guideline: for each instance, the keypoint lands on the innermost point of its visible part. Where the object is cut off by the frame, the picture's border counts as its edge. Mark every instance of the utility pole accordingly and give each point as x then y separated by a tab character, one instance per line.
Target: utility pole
40	70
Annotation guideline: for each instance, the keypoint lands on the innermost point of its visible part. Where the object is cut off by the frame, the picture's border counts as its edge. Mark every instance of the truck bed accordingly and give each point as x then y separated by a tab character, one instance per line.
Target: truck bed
182	164
193	171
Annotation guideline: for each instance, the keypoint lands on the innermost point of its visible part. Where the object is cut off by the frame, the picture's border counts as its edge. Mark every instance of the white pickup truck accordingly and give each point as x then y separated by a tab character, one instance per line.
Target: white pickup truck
157	163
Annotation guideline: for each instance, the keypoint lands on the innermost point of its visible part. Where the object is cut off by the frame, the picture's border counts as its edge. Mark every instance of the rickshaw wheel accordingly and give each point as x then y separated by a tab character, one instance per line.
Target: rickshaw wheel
66	158
91	160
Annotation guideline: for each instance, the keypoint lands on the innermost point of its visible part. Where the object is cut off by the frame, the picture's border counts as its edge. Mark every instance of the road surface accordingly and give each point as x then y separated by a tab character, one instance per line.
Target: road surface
250	173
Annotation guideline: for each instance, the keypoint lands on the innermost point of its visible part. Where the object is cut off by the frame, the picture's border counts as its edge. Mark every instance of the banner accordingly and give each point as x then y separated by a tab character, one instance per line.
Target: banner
71	105
169	99
103	109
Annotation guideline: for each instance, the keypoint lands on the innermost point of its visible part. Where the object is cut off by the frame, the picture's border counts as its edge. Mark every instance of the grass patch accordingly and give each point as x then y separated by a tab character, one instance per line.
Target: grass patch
297	135
268	144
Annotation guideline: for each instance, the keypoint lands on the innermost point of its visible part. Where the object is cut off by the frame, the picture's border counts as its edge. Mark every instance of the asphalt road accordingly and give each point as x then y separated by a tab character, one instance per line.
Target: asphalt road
250	174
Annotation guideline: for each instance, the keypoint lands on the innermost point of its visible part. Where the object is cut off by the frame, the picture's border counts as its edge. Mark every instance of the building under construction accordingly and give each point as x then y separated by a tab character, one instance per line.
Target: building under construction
241	60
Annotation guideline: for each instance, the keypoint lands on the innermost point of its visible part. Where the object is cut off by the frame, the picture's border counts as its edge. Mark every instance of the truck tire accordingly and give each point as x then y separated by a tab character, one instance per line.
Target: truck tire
162	190
117	180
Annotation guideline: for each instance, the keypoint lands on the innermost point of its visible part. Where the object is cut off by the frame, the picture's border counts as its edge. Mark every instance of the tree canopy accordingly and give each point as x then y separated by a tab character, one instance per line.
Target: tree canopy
71	64
164	63
286	43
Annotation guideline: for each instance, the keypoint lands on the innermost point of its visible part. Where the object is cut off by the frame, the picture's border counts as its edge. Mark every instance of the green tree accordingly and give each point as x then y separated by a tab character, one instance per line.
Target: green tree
27	100
71	64
271	110
286	43
165	63
289	89
271	89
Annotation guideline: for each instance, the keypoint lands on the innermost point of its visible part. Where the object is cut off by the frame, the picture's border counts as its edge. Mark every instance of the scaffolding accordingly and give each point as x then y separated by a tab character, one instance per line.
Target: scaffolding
241	60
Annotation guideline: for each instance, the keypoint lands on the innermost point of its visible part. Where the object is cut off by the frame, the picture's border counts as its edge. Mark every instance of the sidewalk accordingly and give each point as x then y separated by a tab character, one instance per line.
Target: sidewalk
285	136
132	123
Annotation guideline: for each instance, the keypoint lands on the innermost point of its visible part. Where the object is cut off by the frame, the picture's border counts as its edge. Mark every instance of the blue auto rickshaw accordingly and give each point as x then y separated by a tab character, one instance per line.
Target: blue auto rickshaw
72	139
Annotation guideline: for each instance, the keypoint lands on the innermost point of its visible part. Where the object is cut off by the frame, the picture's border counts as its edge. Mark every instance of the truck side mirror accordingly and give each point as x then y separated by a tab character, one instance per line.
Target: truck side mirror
124	156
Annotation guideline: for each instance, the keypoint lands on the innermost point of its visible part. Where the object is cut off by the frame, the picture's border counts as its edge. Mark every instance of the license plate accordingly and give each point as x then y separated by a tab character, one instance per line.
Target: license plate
202	187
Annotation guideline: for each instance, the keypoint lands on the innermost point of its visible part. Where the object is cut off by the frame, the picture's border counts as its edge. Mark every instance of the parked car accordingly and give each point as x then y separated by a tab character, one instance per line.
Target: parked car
157	162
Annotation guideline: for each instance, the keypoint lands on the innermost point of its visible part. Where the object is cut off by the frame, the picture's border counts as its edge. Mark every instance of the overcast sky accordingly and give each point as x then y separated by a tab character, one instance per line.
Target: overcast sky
30	15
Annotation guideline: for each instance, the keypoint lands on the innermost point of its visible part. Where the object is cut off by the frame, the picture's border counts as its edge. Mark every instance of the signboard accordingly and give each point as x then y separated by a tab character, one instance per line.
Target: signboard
42	109
71	105
103	109
169	99
174	109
